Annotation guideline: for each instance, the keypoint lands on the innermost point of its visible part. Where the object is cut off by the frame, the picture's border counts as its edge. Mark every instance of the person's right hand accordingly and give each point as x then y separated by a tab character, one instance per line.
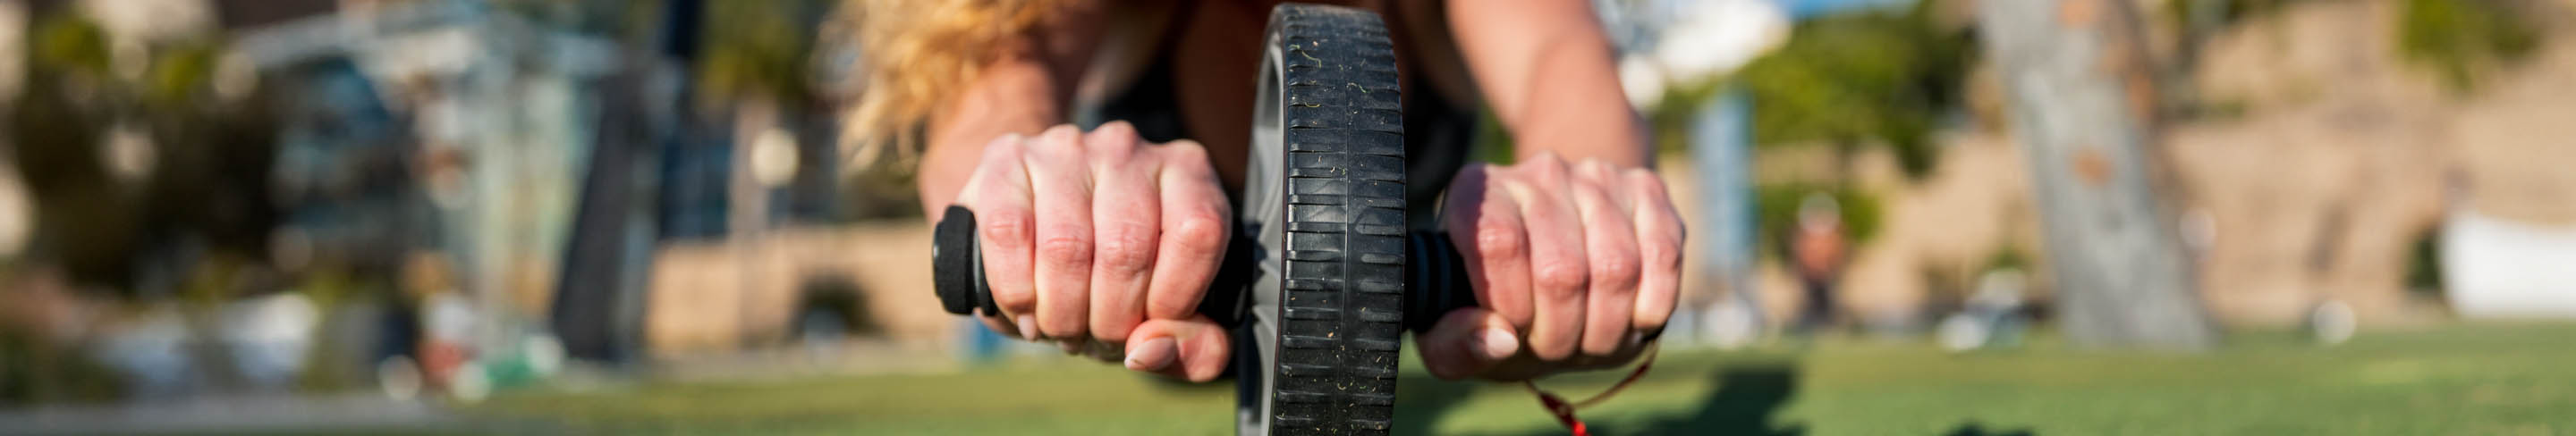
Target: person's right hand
1103	243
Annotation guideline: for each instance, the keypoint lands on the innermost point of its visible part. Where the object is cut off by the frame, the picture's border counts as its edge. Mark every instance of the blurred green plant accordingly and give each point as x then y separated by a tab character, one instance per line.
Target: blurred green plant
1671	115
1494	143
2008	256
2193	23
760	49
1877	77
2424	265
34	370
73	45
2460	40
2220	13
328	364
205	158
180	75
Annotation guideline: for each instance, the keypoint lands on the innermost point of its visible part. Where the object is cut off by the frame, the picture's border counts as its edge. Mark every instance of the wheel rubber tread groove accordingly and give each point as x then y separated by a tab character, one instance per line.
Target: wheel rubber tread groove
1343	126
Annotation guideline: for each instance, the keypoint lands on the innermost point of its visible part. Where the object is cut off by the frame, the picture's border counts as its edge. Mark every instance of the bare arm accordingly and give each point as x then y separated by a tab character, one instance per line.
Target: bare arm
1546	68
1576	245
1097	241
1022	91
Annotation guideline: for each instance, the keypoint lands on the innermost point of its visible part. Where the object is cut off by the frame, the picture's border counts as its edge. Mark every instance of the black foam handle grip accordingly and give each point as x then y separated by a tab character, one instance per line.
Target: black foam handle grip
956	271
1435	278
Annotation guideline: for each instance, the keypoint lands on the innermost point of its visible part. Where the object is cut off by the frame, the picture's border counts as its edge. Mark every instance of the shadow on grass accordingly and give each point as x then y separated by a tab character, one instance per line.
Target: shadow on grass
1746	402
1973	429
1425	400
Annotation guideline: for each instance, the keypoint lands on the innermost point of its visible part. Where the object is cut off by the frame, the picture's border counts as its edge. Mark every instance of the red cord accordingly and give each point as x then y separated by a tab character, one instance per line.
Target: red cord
1564	411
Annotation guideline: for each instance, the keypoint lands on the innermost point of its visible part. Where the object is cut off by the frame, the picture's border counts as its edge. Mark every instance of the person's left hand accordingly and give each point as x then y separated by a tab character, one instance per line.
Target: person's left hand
1575	265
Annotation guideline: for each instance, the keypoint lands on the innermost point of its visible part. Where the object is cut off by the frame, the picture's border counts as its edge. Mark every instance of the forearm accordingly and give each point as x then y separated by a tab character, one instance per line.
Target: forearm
1547	70
1577	111
1023	90
1007	99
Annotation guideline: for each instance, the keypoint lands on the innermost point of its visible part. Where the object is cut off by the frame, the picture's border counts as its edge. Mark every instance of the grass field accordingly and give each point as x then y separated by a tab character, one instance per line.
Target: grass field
2476	379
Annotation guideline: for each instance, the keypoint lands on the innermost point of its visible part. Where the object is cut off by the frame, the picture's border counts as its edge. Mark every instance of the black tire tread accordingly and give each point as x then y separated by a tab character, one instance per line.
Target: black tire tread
1341	315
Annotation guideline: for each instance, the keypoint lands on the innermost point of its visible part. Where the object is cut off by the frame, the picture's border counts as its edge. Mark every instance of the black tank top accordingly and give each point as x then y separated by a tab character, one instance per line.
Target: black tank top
1438	136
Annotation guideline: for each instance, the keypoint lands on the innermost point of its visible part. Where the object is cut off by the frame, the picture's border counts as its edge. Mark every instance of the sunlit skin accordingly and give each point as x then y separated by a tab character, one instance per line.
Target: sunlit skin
1103	242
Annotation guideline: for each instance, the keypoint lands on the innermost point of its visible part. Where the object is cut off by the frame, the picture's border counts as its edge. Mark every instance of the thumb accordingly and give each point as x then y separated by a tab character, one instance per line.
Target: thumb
1193	349
1467	342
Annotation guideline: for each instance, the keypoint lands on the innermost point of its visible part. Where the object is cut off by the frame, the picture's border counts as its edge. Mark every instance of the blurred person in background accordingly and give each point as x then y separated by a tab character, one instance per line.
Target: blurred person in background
1817	249
1096	141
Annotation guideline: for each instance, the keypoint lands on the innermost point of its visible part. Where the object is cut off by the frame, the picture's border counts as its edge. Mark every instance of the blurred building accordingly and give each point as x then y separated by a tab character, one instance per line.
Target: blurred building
444	127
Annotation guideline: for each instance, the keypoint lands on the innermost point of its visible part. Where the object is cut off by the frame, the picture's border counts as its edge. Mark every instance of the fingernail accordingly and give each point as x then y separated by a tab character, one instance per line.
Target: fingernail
1152	355
1497	344
1028	327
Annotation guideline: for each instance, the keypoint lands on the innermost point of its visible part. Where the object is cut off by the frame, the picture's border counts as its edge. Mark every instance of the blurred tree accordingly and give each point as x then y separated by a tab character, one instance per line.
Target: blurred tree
1874	77
2083	106
2193	23
198	163
2459	39
760	50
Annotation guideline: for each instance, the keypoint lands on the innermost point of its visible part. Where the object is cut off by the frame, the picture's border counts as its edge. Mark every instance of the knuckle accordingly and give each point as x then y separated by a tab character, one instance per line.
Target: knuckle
1003	149
1558	278
1198	233
1117	133
1663	256
1546	168
1648	185
1124	249
1620	271
1498	242
1065	250
1642	177
1006	230
1062	135
1185	152
1596	169
1112	150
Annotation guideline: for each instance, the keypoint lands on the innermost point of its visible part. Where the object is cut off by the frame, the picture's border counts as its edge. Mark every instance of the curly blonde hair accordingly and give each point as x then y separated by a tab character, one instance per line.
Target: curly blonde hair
915	54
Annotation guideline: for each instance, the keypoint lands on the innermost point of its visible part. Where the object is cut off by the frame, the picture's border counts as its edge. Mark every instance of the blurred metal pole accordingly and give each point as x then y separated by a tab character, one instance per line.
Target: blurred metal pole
747	210
1721	144
2083	105
599	302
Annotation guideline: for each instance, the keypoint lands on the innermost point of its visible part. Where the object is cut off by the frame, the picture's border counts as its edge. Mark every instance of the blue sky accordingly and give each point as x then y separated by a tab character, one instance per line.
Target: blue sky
1803	9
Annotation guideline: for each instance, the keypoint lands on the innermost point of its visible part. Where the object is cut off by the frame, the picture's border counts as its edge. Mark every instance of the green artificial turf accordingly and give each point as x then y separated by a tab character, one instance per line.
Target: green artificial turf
2471	379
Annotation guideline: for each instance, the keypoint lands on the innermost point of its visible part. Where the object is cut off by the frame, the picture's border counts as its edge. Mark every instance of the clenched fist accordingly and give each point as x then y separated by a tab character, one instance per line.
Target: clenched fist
1103	243
1575	266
